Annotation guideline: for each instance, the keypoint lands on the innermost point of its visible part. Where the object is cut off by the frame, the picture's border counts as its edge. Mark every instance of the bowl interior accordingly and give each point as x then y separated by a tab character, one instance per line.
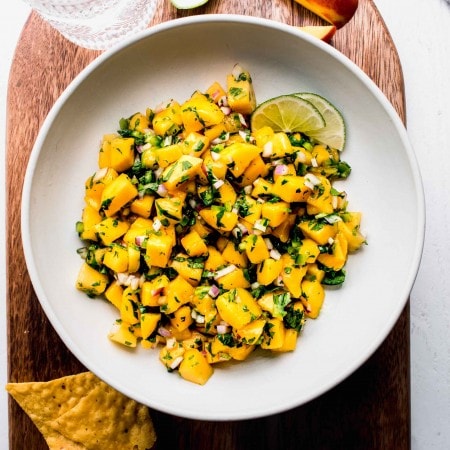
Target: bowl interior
172	61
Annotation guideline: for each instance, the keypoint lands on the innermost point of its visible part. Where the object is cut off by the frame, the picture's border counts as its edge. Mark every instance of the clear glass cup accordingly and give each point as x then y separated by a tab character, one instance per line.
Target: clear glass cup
96	24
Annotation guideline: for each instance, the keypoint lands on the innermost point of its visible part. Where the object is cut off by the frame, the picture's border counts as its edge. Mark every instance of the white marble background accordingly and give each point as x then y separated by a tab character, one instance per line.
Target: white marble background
420	29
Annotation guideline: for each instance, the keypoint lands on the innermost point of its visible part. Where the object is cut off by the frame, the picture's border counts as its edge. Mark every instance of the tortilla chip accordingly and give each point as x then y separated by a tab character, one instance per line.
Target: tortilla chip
104	413
81	412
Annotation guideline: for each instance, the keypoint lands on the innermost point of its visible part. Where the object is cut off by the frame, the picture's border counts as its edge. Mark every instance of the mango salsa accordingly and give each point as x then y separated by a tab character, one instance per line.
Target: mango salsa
210	239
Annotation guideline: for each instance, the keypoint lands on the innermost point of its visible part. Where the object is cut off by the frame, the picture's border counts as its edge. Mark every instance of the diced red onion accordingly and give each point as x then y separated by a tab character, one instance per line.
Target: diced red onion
218	184
215	95
248	189
301	157
100	174
176	362
281	169
215	155
312	179
167	141
219	140
222	329
332	218
192	203
279	281
122	278
171	342
164	332
200	319
158	172
156	225
226	110
309	185
255	285
223	101
275	254
162	190
225	271
259	225
139	240
269	244
330	240
314	162
214	291
242	120
245	136
267	149
243	228
155	292
334	201
134	282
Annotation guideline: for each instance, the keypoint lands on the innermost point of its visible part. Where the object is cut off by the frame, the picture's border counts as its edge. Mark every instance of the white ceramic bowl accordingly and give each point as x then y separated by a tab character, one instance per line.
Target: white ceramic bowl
171	61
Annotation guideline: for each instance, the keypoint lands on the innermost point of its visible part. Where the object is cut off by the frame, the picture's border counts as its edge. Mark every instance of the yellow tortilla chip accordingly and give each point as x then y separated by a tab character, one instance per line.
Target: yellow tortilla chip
81	412
104	413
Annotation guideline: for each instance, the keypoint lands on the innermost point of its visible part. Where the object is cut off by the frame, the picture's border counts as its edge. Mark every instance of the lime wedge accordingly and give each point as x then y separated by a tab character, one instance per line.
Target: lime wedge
333	134
288	113
188	4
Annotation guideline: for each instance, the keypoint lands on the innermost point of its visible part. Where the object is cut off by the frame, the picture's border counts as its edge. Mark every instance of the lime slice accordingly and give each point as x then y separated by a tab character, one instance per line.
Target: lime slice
188	4
333	134
288	113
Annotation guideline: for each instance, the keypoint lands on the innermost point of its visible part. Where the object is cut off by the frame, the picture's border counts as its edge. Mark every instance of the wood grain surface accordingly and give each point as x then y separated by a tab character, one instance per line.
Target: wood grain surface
369	410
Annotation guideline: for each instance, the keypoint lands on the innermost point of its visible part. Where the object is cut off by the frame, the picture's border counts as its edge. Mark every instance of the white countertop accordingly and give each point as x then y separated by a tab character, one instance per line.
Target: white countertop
420	29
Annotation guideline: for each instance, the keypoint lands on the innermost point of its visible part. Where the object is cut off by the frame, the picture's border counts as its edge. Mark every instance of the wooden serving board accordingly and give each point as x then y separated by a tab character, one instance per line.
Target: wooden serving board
369	410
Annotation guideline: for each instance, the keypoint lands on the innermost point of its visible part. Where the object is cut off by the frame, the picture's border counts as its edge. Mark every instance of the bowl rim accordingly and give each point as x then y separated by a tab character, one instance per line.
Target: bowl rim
241	20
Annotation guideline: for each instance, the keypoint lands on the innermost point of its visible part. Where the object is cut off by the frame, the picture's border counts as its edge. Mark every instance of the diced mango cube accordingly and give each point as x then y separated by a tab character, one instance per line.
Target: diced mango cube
219	218
240	93
190	270
116	153
291	188
238	156
194	367
91	281
255	248
182	319
168	121
152	290
275	212
90	217
313	295
158	250
339	250
237	307
149	323
117	194
122	334
235	279
195	144
181	171
319	232
194	244
139	122
268	271
114	294
129	311
177	293
116	258
274	334
199	112
110	229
